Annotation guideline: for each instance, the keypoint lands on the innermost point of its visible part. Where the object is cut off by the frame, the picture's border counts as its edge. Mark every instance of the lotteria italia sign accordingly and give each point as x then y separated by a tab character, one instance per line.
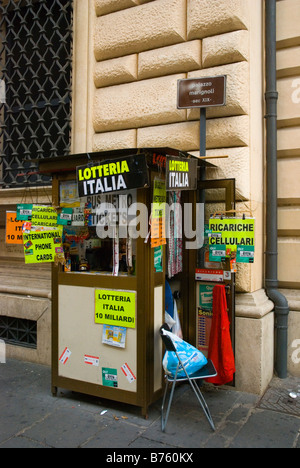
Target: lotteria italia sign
181	174
113	176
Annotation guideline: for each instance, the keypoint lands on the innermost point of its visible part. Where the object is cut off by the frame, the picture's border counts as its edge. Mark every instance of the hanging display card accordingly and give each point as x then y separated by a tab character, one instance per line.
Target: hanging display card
14	233
113	176
231	238
113	307
206	295
158	214
42	245
24	212
64	218
205	313
181	173
158	259
43	215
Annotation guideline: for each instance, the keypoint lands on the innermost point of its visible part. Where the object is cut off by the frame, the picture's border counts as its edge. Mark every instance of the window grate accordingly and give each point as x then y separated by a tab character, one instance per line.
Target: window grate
35	91
19	332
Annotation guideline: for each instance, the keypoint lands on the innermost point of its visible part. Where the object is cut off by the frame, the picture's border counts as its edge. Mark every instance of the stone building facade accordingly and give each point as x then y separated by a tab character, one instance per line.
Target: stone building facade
128	56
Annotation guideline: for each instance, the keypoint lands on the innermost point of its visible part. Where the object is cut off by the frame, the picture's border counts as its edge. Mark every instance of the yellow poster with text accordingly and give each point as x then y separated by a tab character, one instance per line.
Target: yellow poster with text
158	214
231	234
113	307
42	245
43	216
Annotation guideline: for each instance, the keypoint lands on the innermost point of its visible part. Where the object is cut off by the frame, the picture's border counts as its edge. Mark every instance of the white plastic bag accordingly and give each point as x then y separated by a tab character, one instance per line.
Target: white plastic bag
176	329
169	321
192	359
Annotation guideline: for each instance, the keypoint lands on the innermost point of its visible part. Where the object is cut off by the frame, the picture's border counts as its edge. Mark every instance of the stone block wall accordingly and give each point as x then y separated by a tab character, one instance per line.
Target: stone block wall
142	49
140	52
288	152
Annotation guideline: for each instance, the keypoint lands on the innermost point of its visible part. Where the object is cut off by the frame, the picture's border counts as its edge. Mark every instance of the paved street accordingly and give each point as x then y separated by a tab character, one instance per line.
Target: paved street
31	417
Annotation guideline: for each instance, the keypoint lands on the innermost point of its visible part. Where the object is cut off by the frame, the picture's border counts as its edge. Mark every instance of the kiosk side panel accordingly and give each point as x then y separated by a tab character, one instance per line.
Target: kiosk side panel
85	350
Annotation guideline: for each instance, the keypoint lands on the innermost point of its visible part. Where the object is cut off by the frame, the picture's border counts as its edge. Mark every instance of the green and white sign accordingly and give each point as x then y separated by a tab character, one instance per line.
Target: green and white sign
231	238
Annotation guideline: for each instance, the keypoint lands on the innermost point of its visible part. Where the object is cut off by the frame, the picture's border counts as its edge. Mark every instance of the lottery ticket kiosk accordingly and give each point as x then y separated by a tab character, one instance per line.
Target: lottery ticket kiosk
108	289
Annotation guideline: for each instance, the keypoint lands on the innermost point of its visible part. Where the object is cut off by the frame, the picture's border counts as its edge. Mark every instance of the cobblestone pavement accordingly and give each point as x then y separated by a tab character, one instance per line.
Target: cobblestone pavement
282	396
30	417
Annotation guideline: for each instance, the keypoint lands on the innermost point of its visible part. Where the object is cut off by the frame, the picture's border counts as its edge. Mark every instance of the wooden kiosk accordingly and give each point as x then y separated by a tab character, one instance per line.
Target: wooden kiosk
105	318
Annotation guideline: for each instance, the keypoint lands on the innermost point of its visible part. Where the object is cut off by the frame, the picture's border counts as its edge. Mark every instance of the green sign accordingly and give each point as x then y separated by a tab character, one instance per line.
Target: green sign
65	217
231	238
245	254
24	212
206	296
109	377
158	259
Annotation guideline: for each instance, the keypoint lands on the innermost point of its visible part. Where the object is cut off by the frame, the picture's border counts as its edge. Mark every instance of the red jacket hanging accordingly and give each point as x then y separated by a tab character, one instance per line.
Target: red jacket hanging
220	348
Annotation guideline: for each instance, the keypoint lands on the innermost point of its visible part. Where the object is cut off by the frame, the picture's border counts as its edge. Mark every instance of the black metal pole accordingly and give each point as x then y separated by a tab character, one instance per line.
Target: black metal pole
202	148
203	131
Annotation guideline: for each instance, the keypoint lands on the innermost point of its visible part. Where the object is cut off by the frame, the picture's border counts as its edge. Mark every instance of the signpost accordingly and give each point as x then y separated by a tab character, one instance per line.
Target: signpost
202	92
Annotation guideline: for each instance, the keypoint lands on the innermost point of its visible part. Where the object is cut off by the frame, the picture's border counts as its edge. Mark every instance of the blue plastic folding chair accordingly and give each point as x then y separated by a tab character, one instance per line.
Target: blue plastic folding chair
207	371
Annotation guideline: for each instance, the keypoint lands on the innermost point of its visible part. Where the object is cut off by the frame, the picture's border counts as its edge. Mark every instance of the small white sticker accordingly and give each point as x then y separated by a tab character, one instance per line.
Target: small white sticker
227	275
92	360
65	355
128	373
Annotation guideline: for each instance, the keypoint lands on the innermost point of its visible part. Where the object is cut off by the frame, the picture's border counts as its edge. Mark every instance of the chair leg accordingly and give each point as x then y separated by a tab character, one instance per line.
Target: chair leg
198	394
203	403
164	419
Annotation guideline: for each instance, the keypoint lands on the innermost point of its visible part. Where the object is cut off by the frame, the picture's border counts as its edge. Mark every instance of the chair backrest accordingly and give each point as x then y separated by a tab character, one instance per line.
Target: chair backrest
167	340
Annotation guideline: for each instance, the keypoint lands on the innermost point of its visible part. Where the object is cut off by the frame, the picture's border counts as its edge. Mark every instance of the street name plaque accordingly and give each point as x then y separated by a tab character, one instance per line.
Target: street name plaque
201	92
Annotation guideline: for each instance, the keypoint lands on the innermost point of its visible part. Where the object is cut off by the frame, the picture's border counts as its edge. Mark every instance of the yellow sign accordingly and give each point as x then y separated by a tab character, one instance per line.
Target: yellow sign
231	236
158	214
115	307
13	229
42	245
43	216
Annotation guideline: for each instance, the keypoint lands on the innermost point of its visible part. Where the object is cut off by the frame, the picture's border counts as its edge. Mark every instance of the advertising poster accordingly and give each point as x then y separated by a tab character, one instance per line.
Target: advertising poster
205	298
114	336
43	216
158	214
113	176
14	233
231	238
42	245
39	215
113	307
181	174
